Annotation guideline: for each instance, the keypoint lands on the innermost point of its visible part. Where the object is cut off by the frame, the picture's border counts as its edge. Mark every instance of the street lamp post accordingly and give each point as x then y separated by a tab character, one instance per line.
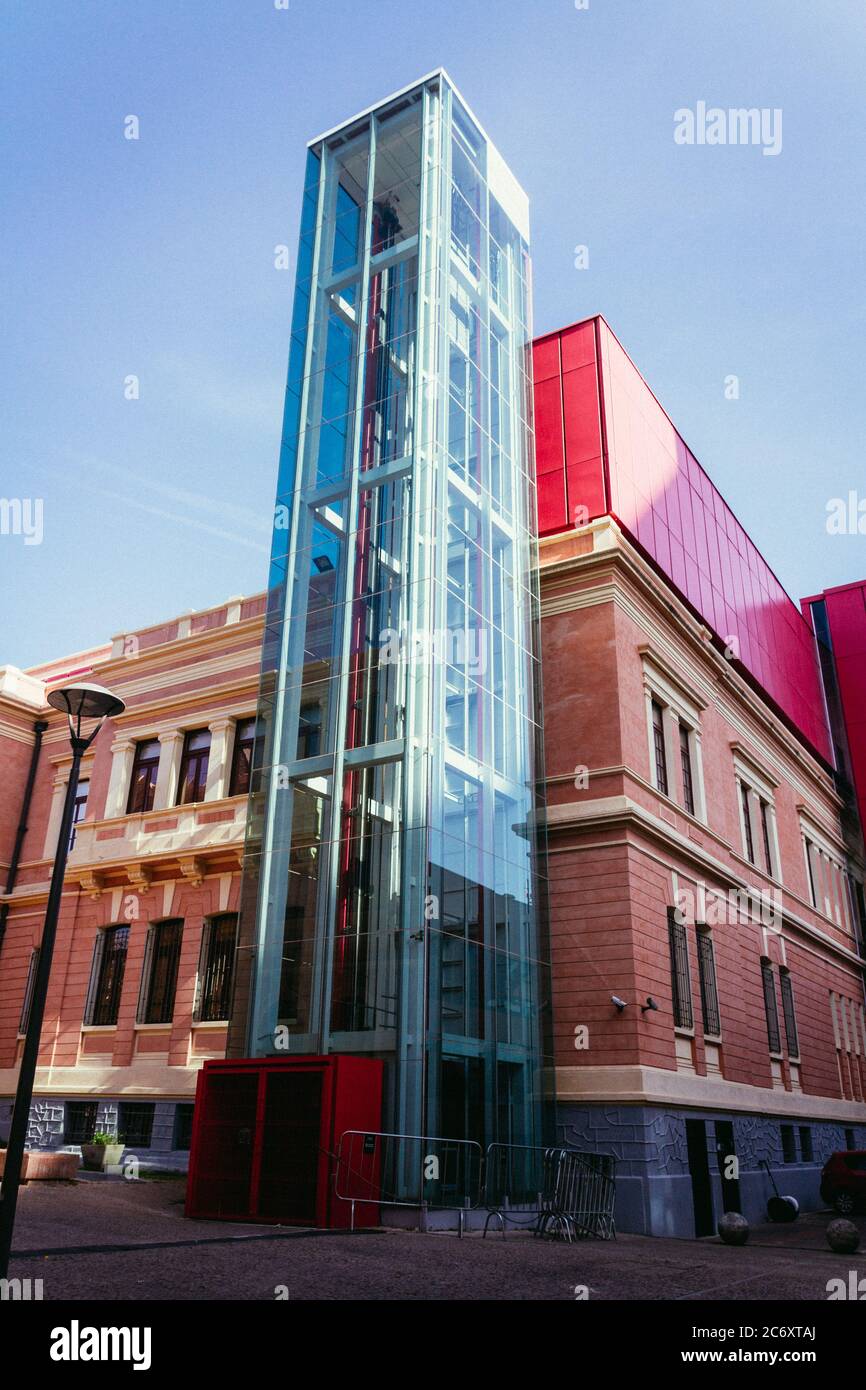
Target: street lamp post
79	703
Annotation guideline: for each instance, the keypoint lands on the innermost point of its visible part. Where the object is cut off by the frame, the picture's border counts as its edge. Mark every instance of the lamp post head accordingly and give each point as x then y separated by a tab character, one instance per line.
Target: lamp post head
85	701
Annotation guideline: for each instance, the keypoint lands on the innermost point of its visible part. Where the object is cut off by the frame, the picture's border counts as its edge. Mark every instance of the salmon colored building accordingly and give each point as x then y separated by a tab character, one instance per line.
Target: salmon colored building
706	866
144	957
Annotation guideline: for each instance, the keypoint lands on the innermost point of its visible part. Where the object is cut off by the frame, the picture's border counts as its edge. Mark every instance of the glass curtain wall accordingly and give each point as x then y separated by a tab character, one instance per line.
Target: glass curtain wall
392	870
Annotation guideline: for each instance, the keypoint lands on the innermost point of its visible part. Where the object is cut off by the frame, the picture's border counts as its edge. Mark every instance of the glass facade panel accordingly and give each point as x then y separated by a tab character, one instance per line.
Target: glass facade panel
391	897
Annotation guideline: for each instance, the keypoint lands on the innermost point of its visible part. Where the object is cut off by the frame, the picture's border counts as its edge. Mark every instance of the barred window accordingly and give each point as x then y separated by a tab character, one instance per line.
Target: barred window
135	1123
789	1014
747	823
772	1011
659	747
680	982
807	1152
709	992
29	990
686	759
106	976
79	1121
182	1135
159	975
215	969
789	1144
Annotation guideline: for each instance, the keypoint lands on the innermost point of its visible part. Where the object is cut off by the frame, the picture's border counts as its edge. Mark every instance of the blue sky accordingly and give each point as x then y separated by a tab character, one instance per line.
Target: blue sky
155	258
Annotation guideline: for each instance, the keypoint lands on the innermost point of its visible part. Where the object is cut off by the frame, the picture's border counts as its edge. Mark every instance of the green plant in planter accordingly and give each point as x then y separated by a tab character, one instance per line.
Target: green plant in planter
104	1151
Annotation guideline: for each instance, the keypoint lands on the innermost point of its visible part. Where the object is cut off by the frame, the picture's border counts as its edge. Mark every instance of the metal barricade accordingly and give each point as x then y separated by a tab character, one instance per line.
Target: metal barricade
552	1191
408	1170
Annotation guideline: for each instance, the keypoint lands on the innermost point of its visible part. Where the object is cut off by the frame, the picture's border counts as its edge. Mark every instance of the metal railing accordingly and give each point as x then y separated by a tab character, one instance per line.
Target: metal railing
553	1191
408	1170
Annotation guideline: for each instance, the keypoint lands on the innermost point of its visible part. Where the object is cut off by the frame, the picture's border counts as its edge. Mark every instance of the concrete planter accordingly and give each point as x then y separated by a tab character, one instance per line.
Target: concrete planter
45	1167
97	1157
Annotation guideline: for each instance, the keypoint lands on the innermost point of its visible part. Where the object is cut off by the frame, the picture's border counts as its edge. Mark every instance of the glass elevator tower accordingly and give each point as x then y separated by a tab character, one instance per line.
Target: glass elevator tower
392	865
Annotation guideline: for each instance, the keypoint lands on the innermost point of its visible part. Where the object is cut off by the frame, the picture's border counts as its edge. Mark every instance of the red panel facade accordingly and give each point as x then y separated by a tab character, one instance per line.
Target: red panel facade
604	443
846	619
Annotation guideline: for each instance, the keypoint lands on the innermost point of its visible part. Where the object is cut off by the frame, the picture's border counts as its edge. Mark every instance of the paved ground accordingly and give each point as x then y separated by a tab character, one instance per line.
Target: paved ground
113	1239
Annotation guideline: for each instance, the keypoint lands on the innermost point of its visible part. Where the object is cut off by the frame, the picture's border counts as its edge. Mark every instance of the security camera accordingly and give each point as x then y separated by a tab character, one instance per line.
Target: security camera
620	1003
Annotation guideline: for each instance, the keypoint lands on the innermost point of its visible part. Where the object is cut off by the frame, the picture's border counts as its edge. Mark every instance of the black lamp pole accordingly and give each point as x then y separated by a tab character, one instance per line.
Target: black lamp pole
27	1074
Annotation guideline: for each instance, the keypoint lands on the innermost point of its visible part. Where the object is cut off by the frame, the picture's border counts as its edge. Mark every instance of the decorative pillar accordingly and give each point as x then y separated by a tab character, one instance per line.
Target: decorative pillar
121	770
216	786
170	749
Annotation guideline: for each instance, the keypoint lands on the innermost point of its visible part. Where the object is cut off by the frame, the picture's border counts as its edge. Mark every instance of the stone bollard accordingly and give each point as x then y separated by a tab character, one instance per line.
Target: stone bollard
843	1236
733	1228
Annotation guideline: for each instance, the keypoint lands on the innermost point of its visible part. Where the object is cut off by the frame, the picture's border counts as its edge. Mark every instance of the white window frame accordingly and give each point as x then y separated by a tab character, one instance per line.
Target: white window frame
759	786
680	706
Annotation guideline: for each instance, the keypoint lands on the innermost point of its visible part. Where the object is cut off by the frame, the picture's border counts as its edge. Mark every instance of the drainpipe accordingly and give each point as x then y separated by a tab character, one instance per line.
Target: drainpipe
39	729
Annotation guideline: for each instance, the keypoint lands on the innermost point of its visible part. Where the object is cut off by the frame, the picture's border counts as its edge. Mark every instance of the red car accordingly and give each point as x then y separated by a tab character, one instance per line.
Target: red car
843	1181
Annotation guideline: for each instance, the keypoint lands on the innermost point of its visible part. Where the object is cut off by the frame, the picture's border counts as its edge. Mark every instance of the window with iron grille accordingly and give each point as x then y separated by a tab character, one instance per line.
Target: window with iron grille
145	768
810	850
789	1014
659	747
807	1152
242	757
182	1136
135	1123
216	968
709	992
747	823
79	1121
159	975
106	976
29	988
849	1139
770	1008
789	1144
686	759
765	832
681	987
193	767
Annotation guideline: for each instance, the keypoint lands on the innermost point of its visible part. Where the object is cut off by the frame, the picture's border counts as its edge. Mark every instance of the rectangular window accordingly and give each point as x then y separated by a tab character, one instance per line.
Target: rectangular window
79	810
182	1136
193	767
659	747
789	1014
215	969
106	976
747	823
145	767
807	1153
765	832
79	1121
770	1008
681	987
789	1144
810	864
159	976
686	758
242	758
29	988
135	1123
709	992
849	1139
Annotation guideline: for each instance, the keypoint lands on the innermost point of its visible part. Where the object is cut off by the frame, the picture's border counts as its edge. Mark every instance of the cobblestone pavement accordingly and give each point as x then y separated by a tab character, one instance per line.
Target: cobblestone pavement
112	1239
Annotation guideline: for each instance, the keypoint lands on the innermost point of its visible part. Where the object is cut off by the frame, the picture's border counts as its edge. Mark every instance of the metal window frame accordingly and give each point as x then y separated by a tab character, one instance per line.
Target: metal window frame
681	983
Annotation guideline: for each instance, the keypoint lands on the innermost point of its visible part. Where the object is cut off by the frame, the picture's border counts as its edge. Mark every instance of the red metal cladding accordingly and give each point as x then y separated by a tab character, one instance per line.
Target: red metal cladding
604	445
846	619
